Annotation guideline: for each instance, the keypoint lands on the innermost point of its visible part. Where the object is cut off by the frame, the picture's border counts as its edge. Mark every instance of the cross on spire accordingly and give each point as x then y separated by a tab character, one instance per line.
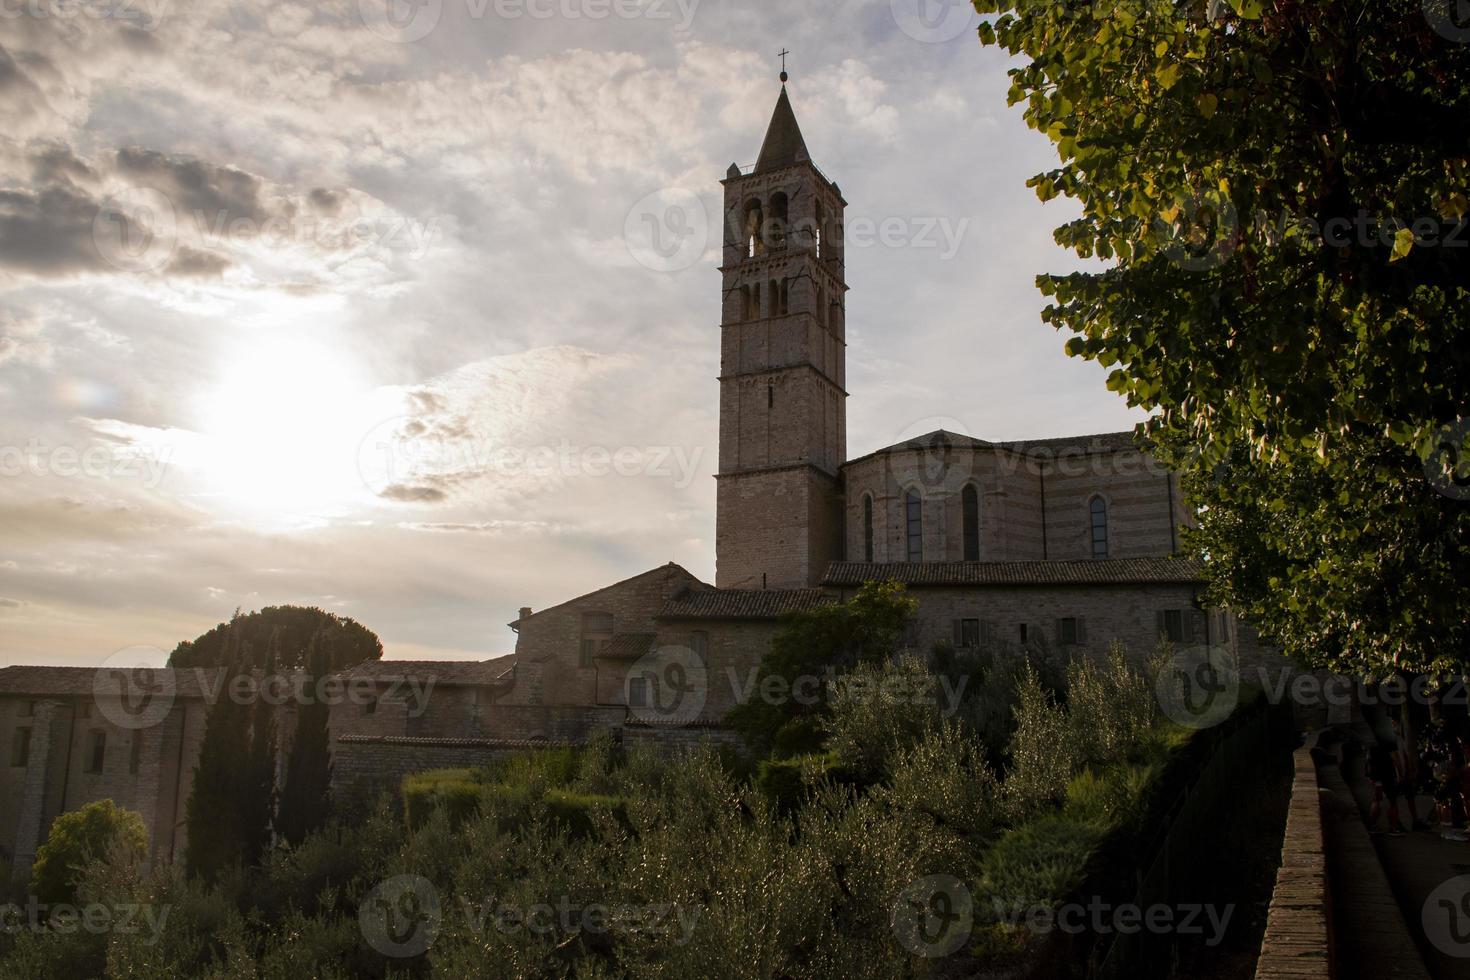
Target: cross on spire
784	76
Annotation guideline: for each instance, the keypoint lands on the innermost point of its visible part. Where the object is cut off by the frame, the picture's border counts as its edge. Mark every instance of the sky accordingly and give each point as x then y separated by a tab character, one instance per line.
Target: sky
409	309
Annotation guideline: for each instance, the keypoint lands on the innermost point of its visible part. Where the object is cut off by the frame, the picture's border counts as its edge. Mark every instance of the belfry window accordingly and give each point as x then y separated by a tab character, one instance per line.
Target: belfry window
914	520
1099	509
970	504
754	219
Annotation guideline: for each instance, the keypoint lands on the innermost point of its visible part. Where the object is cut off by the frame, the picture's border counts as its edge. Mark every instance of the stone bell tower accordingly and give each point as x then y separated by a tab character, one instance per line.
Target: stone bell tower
783	413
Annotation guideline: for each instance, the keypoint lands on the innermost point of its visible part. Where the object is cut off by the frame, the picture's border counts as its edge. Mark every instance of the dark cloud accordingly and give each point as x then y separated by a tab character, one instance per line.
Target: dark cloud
195	263
194	185
413	495
56	163
8	604
327	202
48	232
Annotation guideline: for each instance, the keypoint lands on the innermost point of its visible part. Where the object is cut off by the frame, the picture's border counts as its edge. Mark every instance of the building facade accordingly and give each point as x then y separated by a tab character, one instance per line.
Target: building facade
1065	544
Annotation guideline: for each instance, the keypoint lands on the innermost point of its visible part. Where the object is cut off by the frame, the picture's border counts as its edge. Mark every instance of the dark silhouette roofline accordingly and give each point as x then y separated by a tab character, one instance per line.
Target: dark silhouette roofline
784	145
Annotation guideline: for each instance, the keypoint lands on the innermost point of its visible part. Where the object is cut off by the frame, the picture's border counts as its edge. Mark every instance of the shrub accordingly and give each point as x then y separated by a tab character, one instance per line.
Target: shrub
1042	760
1111	707
946	775
1039	863
880	709
98	831
578	812
457	792
1113	798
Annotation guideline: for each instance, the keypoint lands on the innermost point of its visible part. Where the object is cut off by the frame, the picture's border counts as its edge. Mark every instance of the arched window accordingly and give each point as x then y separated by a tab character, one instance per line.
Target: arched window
780	208
970	500
1099	508
913	507
867	527
754	219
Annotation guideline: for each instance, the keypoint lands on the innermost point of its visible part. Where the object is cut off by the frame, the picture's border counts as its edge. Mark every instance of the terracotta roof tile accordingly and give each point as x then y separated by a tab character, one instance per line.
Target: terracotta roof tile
741	603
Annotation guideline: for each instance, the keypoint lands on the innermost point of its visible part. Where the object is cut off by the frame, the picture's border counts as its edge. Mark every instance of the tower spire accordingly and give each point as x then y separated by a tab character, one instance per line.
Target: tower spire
784	145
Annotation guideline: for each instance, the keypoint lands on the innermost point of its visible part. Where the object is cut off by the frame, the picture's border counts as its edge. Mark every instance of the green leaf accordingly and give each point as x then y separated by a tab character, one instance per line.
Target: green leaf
1403	243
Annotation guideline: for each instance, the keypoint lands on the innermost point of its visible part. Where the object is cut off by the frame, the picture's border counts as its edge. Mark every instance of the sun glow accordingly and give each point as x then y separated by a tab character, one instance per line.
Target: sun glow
283	423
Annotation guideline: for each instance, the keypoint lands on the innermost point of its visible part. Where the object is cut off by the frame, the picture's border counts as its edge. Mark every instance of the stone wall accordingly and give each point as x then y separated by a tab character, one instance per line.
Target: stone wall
1297	943
364	766
548	650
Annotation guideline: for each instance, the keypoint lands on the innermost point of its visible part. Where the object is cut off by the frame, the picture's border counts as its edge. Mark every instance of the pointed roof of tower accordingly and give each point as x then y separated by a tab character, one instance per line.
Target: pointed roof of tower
784	146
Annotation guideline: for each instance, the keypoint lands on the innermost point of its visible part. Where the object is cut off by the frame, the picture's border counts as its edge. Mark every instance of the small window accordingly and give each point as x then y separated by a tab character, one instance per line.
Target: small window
638	692
1099	508
868	528
97	752
967	634
699	643
971	506
86	709
20	748
1071	631
770	396
1171	625
28	709
371	708
914	514
135	753
1024	638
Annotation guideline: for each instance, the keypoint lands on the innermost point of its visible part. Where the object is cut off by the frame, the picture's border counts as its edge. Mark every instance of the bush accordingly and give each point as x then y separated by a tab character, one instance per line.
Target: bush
946	775
457	792
98	831
1114	798
880	709
1040	863
1111	707
1042	760
579	813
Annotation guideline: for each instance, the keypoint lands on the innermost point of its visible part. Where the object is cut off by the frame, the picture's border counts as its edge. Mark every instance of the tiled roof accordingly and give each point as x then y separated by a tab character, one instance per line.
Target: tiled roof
741	603
448	673
189	682
1119	571
671	569
628	646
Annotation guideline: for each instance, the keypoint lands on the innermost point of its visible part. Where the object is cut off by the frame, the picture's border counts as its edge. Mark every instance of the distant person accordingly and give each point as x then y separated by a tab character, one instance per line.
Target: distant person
1383	770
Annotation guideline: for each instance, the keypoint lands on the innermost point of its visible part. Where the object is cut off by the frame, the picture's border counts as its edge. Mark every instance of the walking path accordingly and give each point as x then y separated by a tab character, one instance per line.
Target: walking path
1427	881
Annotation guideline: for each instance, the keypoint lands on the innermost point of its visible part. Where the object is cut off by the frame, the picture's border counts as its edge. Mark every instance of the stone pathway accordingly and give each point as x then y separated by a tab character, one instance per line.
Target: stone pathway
1421	879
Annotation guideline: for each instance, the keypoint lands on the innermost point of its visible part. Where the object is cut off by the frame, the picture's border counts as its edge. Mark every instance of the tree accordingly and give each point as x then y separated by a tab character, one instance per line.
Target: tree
295	626
232	799
96	832
306	796
1277	188
815	644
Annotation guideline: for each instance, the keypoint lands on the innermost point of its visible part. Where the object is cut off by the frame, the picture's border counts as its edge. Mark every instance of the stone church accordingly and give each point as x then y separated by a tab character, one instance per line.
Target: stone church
1068	544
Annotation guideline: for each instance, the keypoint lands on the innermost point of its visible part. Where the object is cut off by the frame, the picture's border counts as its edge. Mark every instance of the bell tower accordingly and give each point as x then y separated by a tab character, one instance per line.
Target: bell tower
783	412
